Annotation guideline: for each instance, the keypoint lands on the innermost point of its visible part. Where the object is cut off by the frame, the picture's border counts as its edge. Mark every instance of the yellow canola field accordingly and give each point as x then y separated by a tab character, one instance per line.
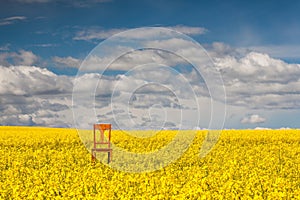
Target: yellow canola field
49	163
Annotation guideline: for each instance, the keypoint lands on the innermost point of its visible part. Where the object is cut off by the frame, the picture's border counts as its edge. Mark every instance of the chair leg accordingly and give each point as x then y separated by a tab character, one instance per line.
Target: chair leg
111	154
93	157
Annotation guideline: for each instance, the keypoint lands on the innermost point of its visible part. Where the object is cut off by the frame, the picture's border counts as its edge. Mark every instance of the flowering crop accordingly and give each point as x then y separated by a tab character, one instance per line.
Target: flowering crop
49	163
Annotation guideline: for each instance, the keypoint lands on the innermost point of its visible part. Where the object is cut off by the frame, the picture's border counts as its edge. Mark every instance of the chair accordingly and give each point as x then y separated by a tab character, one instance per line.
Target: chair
101	141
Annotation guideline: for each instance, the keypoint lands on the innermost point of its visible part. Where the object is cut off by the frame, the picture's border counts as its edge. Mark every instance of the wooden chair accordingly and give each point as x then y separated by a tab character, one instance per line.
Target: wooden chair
100	144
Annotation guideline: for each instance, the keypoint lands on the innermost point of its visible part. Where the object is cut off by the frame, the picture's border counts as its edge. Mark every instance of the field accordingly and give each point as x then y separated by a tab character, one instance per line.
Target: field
45	163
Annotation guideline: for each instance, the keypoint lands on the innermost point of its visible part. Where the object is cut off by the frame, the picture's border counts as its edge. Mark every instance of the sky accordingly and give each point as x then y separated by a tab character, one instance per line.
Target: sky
52	53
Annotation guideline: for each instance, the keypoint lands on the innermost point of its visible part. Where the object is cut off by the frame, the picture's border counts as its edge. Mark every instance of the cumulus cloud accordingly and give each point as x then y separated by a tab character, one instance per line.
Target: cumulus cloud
67	61
253	119
22	57
11	20
125	100
27	80
252	80
131	60
145	88
34	96
284	128
220	50
277	51
258	81
5	47
261	128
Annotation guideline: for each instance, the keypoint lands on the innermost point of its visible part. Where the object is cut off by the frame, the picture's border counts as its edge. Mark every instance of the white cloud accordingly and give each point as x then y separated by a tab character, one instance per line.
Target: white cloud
67	61
276	51
28	80
5	47
99	33
189	30
11	20
45	45
131	60
219	50
26	58
253	80
34	96
253	119
96	33
257	80
21	58
145	98
172	43
261	128
284	128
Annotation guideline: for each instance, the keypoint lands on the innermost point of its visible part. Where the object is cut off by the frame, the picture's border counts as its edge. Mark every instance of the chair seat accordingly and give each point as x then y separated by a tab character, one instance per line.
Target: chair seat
102	149
102	128
101	142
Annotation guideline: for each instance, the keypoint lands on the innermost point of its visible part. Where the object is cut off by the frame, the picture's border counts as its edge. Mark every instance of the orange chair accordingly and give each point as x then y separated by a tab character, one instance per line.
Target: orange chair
102	128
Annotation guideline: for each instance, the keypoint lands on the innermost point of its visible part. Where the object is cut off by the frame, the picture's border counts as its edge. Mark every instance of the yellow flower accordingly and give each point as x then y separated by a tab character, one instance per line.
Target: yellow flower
46	163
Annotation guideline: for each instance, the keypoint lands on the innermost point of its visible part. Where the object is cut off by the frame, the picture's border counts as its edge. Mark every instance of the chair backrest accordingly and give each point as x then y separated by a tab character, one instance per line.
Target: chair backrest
102	128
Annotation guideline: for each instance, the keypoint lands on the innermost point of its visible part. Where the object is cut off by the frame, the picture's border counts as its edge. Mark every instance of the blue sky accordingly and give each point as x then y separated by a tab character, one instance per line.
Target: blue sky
250	23
57	35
